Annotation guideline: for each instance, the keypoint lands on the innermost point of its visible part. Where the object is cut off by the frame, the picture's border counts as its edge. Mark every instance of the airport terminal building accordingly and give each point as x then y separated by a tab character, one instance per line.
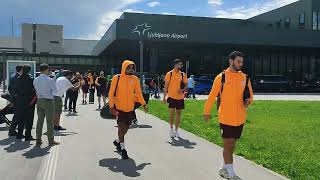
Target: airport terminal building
284	41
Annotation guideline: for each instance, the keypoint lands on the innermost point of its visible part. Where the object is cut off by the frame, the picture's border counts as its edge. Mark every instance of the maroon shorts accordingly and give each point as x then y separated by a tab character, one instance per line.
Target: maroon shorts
231	132
126	117
177	104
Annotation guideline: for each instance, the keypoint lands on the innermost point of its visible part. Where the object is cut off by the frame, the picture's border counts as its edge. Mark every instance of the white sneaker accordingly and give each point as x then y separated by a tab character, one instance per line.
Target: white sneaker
172	133
224	173
177	134
235	177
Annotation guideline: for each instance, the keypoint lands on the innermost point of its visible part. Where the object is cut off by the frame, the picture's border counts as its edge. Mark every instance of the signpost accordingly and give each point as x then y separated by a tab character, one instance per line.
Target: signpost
11	69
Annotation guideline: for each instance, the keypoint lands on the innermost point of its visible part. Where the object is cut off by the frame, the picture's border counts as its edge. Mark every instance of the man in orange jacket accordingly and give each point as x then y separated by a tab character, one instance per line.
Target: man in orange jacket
124	88
235	92
175	86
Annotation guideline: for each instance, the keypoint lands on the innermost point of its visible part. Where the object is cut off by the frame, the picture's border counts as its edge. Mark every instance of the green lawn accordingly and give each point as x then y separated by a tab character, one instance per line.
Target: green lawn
283	136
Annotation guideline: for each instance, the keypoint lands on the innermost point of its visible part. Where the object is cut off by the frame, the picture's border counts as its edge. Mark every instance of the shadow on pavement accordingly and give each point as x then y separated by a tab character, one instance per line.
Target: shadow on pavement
8	141
36	151
62	133
182	143
4	128
143	126
126	167
17	145
72	114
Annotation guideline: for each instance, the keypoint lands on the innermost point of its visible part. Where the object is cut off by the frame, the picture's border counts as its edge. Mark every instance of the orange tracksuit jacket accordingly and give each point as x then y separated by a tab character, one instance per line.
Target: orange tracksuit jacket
232	111
128	88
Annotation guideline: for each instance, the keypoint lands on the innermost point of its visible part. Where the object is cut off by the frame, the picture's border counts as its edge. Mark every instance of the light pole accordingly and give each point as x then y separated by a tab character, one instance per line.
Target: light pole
4	60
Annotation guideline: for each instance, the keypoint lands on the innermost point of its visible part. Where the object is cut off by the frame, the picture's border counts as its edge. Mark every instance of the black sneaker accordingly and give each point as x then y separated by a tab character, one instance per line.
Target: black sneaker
13	133
75	111
124	154
20	136
115	143
29	139
59	128
82	101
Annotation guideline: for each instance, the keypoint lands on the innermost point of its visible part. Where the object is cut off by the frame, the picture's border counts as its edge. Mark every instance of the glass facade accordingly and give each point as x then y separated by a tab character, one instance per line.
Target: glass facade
302	20
315	20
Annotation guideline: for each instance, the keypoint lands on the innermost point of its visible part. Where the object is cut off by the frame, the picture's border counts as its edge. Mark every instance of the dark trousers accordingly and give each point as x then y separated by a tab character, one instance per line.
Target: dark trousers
191	92
15	120
25	116
73	100
66	99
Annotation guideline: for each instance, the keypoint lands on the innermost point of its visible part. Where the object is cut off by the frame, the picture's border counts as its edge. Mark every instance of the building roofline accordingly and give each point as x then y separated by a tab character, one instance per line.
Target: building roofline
274	9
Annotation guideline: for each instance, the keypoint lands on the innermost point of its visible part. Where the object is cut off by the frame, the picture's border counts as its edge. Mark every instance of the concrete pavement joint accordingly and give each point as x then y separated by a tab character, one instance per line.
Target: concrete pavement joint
53	158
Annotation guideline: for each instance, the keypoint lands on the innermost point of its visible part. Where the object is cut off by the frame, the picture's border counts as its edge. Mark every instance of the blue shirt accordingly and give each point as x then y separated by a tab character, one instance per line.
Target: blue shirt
12	83
190	83
45	87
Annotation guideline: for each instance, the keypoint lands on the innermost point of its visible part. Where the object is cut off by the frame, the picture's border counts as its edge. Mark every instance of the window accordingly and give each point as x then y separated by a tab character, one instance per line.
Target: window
287	23
302	20
278	24
318	20
315	20
34	36
54	42
34	47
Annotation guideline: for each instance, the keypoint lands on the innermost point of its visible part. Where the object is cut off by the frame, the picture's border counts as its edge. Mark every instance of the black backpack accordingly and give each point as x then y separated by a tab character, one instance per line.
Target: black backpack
246	92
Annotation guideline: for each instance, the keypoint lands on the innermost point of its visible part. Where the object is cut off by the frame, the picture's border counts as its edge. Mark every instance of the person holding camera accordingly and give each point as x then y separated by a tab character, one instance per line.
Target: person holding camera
175	86
233	91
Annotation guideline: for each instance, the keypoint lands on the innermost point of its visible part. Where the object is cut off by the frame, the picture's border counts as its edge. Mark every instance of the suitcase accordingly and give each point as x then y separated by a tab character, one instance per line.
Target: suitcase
91	96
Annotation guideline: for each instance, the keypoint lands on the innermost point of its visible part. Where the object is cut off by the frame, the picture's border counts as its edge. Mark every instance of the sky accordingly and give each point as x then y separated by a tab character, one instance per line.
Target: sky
90	19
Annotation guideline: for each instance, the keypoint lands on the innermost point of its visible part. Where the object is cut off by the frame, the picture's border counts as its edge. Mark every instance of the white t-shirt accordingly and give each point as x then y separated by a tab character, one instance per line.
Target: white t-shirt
63	84
190	83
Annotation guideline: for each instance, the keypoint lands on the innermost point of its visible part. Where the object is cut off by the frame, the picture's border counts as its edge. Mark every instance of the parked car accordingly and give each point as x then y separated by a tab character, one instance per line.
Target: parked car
202	86
312	86
271	83
207	76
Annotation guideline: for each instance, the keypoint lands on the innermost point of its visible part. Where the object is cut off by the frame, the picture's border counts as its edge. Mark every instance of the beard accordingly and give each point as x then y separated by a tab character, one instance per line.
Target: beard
129	73
236	67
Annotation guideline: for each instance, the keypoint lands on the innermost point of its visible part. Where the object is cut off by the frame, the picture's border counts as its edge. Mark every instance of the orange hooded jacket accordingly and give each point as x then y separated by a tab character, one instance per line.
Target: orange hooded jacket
128	88
232	111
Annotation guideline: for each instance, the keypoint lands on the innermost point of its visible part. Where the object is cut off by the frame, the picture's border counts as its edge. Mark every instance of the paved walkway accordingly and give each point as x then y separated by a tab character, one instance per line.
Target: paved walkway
86	152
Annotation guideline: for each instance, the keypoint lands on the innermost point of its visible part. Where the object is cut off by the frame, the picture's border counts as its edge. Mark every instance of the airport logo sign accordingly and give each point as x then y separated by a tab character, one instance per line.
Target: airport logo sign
144	30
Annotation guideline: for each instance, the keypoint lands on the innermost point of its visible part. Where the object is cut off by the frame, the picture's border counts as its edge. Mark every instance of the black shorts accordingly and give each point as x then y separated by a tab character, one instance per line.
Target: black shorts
101	92
126	117
233	132
177	104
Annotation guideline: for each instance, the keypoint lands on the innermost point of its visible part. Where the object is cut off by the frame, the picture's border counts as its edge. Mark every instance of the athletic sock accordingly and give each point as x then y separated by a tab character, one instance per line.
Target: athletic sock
117	140
223	165
122	146
229	168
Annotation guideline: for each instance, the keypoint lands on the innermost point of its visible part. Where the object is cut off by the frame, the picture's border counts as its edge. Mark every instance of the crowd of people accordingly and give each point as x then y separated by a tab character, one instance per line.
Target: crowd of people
231	89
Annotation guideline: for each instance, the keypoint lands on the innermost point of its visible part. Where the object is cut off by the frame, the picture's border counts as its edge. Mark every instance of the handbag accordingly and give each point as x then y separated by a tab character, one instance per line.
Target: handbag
105	111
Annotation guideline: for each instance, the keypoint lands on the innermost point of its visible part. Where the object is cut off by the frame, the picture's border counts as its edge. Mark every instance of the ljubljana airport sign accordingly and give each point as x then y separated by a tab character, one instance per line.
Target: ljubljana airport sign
145	30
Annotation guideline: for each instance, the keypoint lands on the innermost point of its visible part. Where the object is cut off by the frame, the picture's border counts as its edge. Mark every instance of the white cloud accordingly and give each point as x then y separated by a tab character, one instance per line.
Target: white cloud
105	20
167	13
215	2
153	4
245	12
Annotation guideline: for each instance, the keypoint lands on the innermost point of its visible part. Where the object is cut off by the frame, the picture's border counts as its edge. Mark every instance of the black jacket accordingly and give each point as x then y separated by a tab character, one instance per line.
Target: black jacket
25	90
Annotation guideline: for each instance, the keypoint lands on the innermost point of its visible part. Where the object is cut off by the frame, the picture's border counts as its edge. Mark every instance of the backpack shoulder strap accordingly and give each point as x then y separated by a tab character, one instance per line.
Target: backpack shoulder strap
115	91
223	80
247	79
170	79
